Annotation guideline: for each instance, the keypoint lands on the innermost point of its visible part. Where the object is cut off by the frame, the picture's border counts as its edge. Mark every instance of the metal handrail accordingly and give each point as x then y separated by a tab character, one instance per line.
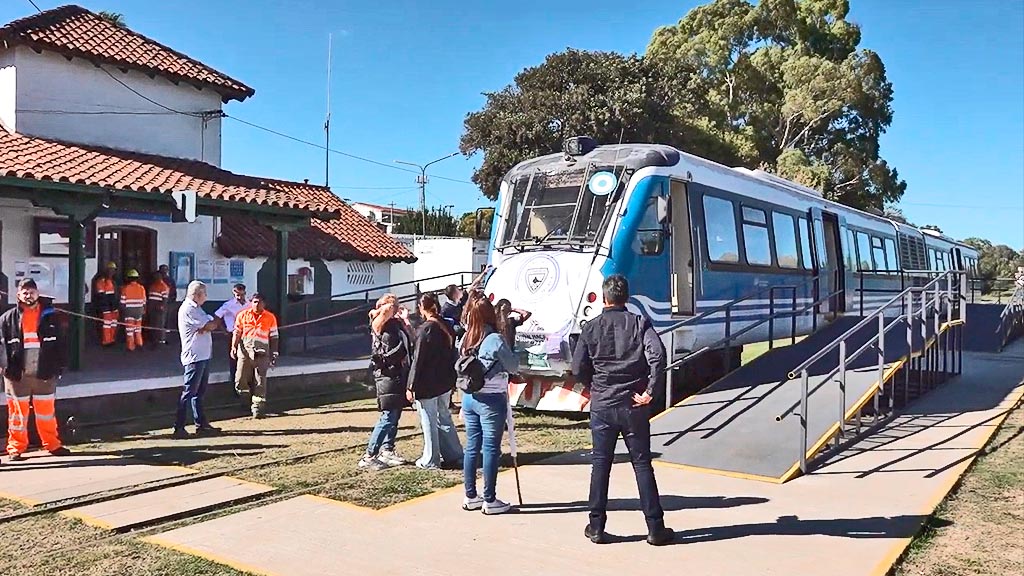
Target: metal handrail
728	305
860	325
379	288
931	300
1010	317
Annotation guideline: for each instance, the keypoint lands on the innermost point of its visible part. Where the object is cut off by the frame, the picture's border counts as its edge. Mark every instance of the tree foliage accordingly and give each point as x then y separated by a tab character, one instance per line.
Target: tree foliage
440	222
115	18
995	261
780	86
468	224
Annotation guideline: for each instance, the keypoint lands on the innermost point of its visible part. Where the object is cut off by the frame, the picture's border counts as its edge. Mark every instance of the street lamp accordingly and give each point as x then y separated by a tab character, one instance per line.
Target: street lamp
422	181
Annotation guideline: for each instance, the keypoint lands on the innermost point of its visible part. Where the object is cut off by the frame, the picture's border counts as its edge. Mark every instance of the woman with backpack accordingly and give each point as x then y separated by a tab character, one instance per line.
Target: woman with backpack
484	365
390	360
431	381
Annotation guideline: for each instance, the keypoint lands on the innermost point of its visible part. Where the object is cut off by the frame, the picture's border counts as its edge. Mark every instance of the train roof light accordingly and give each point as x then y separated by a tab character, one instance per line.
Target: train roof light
578	145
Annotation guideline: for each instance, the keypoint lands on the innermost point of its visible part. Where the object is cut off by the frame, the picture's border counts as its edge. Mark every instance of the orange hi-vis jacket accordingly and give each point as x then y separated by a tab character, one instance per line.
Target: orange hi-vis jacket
103	291
133	300
159	293
257	331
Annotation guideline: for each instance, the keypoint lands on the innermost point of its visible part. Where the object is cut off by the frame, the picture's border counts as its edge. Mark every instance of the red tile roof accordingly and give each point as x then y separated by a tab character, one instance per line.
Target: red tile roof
75	31
247	237
354	236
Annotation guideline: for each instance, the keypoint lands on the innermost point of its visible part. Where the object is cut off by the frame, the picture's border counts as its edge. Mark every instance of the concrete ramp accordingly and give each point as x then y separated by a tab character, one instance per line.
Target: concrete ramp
730	428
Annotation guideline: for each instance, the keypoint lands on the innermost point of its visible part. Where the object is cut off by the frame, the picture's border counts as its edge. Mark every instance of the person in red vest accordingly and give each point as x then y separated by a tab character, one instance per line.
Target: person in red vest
32	357
254	343
133	309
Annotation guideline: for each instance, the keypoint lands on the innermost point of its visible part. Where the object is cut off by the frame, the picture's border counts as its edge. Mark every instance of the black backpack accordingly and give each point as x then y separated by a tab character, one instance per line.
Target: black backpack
470	372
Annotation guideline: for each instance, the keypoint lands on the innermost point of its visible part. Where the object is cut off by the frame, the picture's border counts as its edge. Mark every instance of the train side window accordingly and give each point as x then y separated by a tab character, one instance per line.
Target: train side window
805	243
851	252
890	254
649	234
720	225
785	240
864	252
878	252
756	243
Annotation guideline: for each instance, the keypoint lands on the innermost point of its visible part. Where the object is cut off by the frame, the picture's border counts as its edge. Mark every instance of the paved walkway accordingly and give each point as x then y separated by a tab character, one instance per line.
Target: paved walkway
855	515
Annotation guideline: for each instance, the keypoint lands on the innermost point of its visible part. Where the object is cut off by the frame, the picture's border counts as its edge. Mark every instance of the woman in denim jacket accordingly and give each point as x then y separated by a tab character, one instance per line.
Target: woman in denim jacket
484	412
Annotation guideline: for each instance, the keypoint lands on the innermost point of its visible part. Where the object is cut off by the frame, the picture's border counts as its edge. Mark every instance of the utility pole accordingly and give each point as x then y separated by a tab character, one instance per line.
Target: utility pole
422	181
391	218
327	122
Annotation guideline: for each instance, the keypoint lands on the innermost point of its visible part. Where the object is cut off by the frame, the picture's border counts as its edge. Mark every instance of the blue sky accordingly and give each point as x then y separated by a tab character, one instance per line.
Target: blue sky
406	73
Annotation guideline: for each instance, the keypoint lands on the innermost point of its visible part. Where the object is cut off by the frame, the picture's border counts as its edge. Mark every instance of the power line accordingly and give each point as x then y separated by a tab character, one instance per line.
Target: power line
34	6
977	206
374	188
150	100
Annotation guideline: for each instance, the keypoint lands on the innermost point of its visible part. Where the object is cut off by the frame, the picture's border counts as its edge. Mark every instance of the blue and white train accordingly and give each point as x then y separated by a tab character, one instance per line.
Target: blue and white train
690	235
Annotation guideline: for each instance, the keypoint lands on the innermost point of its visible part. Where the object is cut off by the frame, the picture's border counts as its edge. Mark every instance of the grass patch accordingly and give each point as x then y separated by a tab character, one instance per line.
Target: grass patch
977	530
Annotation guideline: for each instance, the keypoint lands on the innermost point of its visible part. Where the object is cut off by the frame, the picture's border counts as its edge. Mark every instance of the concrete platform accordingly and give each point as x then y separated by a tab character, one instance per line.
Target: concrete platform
854	516
43	479
168	504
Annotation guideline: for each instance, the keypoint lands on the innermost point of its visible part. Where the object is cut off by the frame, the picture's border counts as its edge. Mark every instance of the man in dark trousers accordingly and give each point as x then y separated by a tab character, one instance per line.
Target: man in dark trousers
620	358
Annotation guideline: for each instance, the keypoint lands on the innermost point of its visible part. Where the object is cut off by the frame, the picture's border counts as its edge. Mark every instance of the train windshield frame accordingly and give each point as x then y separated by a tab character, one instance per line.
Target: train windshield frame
558	208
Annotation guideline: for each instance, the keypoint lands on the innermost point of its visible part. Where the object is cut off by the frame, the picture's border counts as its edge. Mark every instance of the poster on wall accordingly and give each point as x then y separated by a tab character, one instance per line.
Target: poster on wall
204	271
236	275
183	268
221	271
50	278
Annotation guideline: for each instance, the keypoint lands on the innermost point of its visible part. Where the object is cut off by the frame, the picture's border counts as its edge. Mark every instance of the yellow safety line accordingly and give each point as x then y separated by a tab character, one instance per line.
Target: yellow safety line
19	499
86	519
717	472
241	566
936	498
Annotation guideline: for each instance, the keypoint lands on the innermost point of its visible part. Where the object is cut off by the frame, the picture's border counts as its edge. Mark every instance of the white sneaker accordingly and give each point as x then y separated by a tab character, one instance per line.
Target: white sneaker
496	507
472	503
370	462
391	458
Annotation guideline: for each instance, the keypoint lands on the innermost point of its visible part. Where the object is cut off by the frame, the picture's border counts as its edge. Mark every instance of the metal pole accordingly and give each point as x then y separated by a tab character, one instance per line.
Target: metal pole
842	392
771	318
668	376
908	315
423	199
803	421
881	360
792	327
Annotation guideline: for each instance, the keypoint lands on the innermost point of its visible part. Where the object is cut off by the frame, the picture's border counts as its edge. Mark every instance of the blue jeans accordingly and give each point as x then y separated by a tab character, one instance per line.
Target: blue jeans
197	378
634	425
440	439
384	433
484	415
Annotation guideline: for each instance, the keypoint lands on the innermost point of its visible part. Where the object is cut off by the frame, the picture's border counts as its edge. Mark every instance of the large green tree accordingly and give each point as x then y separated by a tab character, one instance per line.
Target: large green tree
996	261
784	84
780	86
440	222
601	94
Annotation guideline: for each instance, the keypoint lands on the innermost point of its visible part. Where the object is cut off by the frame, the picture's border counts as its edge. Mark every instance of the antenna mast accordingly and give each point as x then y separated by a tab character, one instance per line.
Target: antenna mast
327	122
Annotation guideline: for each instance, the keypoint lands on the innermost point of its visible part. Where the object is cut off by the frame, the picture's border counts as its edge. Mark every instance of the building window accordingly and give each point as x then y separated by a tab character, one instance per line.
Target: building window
360	273
785	240
720	220
805	243
757	245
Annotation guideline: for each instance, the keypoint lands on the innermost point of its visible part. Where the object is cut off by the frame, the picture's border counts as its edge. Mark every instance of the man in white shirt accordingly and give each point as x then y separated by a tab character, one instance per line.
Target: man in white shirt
194	327
229	311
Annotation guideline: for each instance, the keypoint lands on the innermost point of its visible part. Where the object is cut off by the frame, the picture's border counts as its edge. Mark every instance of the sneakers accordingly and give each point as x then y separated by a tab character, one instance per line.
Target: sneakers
391	458
661	537
368	462
496	507
180	434
470	504
207	429
595	536
16	457
61	451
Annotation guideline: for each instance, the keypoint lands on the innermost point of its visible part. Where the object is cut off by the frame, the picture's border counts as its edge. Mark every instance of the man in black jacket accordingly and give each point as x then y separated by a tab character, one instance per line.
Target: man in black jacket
32	357
620	358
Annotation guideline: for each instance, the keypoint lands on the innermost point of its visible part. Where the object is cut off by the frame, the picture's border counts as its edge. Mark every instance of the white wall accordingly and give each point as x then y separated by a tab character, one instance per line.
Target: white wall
435	257
49	83
8	90
351	276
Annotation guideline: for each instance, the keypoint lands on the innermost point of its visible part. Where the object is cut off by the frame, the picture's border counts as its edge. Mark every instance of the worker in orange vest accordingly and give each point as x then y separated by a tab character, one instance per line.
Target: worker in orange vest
156	308
255	345
32	357
104	302
133	309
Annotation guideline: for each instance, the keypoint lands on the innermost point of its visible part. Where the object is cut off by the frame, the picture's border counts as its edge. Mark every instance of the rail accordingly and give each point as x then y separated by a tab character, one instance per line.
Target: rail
932	297
792	313
1011	319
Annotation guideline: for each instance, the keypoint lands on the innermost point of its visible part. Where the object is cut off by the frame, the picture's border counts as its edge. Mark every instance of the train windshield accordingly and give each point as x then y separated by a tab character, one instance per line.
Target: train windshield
559	207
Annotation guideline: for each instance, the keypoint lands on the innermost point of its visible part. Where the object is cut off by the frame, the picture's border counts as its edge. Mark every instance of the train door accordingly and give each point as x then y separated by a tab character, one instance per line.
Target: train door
682	251
829	260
